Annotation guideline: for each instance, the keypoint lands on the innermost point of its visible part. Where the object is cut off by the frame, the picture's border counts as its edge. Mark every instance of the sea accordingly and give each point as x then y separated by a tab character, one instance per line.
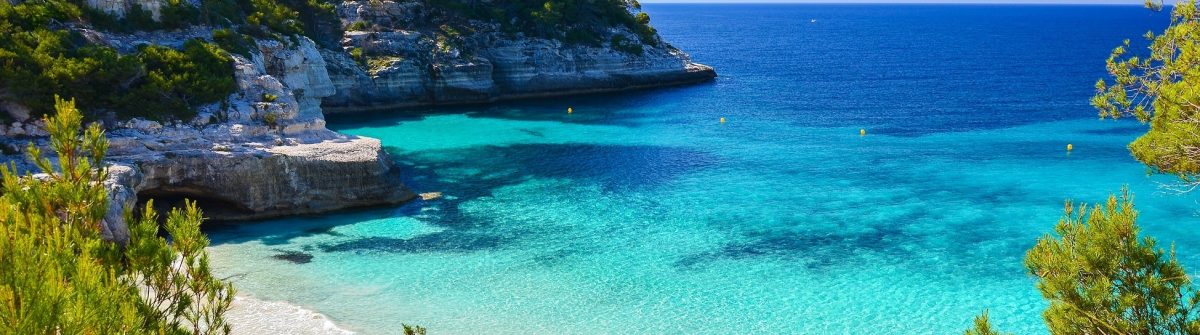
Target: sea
881	169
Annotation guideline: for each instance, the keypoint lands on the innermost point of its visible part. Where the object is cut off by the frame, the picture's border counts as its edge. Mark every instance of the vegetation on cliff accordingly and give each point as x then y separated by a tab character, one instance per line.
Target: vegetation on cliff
43	52
61	277
40	57
572	21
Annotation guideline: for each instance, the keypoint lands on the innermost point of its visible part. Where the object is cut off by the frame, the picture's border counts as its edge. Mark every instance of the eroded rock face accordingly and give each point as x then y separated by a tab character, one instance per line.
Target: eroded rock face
408	64
119	8
273	181
266	154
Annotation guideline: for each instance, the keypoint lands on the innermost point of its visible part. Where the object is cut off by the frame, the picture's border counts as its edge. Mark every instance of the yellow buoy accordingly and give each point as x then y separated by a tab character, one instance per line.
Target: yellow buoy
862	132
570	110
1070	147
722	120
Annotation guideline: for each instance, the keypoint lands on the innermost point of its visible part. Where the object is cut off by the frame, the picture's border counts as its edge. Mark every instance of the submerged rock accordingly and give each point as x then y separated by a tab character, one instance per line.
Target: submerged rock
295	257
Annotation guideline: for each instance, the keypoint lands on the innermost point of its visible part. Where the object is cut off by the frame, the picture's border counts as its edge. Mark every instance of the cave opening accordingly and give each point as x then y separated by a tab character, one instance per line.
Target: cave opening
214	208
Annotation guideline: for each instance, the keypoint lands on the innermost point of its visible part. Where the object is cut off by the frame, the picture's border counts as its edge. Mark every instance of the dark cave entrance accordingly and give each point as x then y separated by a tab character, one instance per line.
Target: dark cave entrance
213	208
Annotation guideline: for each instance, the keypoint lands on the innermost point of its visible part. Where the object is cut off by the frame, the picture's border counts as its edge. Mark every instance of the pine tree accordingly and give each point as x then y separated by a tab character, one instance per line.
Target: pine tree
1101	277
1160	89
60	277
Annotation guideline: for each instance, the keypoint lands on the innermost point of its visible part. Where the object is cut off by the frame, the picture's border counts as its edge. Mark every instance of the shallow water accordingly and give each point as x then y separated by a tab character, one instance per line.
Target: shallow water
641	214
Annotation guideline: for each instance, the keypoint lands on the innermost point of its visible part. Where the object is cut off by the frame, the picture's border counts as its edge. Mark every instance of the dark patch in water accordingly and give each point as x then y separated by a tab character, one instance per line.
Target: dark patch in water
533	132
615	167
449	241
600	108
294	256
554	258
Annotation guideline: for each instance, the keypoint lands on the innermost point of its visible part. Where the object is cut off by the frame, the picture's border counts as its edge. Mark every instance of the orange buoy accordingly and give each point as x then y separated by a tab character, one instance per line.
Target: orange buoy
1070	147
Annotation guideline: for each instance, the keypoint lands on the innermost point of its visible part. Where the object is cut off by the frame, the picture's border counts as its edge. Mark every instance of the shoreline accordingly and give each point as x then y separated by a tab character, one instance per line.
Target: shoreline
250	315
703	75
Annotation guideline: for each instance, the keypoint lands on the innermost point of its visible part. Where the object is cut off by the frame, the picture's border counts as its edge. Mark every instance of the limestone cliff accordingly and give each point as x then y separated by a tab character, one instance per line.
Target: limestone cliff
257	157
264	151
407	59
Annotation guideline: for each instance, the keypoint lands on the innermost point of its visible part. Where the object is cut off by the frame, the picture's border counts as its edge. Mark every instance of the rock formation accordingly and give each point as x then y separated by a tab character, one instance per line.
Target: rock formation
265	151
259	157
410	61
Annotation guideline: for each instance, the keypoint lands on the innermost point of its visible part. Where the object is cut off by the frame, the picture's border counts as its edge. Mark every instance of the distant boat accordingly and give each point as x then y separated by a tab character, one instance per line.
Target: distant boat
812	21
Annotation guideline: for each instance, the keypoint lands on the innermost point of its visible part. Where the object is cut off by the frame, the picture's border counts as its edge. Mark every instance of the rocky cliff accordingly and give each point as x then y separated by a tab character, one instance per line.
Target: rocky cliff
411	54
256	157
264	151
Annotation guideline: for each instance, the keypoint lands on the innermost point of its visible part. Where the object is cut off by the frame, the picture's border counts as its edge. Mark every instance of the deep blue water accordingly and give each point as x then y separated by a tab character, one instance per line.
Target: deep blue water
641	214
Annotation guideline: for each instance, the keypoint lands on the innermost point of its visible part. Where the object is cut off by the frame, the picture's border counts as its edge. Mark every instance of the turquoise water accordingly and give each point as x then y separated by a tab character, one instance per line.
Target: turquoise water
642	214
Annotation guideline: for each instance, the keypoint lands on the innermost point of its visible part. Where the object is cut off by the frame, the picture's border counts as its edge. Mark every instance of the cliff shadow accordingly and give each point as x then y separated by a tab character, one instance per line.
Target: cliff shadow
607	108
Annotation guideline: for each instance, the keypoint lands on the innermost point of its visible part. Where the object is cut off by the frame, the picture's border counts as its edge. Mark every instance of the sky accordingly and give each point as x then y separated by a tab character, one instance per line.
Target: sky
1106	2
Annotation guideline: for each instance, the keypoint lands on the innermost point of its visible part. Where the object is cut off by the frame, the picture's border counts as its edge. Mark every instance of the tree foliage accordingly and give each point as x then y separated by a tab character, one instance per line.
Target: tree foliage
1101	277
983	326
573	21
60	277
1163	90
39	58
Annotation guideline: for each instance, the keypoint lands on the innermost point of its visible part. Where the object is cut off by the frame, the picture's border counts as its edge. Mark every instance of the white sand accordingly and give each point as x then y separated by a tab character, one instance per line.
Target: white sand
252	316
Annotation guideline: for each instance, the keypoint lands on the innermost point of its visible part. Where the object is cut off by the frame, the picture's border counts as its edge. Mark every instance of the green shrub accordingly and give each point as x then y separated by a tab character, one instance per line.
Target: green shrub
582	36
61	277
412	329
268	97
177	82
271	119
357	54
174	14
570	20
620	43
234	42
154	82
359	26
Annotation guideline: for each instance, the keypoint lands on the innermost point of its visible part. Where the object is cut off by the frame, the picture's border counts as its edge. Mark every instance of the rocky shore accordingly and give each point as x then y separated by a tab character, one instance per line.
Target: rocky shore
410	62
265	151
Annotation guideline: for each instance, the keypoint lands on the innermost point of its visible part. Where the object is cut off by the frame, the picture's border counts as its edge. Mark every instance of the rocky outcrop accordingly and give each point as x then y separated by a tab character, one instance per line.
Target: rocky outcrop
119	8
270	181
264	152
405	63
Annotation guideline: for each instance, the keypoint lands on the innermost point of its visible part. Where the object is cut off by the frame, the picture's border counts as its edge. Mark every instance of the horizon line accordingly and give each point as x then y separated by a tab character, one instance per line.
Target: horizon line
906	2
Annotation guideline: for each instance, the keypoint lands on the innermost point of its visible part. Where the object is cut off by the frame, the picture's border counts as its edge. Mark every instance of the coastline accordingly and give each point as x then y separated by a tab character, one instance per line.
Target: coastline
250	315
698	75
